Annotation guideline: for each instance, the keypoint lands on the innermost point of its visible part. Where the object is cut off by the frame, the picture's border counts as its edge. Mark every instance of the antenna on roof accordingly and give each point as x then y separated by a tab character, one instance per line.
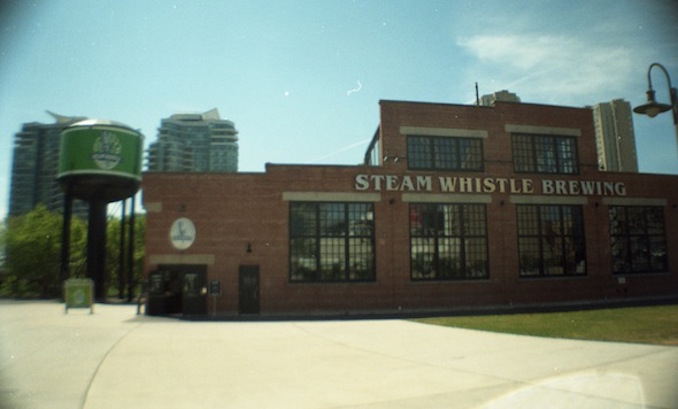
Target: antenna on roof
477	95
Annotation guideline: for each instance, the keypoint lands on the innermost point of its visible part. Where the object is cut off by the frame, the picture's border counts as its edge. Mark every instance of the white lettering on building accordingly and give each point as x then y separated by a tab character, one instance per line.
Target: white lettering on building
582	187
456	184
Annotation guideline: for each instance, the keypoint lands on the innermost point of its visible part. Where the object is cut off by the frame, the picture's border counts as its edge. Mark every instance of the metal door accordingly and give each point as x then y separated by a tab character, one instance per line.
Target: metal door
194	290
249	290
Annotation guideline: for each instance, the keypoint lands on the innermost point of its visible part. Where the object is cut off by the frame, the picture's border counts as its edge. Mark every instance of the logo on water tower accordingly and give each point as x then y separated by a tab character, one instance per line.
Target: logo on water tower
106	150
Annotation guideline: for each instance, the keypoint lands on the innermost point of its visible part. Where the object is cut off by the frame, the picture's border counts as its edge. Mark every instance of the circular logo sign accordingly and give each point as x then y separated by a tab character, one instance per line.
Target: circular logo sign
182	233
79	296
106	150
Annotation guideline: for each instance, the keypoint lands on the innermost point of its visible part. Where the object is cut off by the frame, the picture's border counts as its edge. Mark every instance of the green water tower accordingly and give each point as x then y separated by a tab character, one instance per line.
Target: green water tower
99	163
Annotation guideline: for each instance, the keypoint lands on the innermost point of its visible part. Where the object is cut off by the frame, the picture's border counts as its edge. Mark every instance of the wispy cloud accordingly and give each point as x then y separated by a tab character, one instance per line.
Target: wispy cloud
341	150
553	65
518	51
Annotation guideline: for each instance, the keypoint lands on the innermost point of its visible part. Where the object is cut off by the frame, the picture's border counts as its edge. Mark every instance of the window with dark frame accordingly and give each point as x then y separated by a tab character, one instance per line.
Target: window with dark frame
551	241
331	242
448	241
444	153
637	239
545	154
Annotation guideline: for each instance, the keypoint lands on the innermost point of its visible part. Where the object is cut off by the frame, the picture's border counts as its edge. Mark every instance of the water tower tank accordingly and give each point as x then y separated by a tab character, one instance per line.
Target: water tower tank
100	160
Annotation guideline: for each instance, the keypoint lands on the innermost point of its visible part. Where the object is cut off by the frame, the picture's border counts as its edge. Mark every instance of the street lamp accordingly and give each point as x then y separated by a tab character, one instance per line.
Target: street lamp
653	108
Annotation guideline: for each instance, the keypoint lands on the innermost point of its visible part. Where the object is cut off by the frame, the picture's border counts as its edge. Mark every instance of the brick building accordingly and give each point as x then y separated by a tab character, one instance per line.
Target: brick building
455	206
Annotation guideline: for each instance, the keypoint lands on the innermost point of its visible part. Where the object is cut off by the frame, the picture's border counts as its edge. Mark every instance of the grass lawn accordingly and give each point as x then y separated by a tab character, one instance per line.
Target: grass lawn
648	325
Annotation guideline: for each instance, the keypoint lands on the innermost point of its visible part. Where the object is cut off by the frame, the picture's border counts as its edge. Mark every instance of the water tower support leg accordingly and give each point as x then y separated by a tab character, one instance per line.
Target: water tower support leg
96	248
130	254
66	236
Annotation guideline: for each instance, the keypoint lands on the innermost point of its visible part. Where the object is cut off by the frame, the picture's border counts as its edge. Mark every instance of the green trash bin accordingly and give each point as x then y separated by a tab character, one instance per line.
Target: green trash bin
79	293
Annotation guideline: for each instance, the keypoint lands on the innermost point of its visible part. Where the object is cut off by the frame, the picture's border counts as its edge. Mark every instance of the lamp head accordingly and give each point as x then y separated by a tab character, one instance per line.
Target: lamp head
652	108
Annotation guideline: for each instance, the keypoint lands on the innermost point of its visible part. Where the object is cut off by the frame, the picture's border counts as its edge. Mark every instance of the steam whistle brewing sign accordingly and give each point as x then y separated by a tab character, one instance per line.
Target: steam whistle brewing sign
78	293
100	150
106	151
448	184
182	233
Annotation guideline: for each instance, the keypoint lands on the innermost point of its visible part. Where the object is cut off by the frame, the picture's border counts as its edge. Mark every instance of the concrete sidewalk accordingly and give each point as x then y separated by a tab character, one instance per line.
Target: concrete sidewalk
114	359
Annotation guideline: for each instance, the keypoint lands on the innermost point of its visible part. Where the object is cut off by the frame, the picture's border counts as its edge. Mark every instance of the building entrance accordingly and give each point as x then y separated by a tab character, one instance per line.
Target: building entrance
178	289
249	290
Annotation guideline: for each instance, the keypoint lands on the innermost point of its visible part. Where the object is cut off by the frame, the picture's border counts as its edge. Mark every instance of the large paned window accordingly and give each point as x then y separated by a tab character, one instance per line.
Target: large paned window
331	242
448	241
444	153
551	240
545	154
638	239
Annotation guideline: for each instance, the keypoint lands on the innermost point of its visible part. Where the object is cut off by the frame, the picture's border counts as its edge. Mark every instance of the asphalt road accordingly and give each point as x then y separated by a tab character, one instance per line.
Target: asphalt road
115	359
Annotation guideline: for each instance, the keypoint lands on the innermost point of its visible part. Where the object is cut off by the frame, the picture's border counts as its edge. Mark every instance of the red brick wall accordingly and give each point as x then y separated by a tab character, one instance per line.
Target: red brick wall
234	211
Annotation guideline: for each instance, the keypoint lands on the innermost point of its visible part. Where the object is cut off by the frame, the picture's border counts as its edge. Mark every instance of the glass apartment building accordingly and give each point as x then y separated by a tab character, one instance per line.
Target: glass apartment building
194	143
34	168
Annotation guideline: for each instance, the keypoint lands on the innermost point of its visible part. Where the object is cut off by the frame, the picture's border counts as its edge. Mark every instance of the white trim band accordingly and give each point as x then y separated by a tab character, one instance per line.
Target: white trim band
445	198
208	259
447	132
542	130
330	197
548	200
634	201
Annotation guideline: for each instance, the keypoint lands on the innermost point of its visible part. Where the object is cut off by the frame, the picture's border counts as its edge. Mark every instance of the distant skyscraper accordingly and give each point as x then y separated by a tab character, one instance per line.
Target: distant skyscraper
503	95
615	138
35	165
194	143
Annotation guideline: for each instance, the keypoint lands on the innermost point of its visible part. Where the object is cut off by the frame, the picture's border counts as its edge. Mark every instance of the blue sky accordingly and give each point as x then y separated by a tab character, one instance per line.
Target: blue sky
302	79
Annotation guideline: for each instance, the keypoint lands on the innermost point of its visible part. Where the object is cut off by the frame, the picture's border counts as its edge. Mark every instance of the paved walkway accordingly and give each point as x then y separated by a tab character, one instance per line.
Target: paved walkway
114	359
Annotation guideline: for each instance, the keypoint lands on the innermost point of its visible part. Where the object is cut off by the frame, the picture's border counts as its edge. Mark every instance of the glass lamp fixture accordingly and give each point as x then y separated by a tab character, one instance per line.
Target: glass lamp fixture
653	108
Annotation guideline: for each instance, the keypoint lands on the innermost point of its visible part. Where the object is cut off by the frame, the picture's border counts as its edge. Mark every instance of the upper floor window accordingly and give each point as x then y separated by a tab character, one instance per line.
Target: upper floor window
444	153
545	154
638	239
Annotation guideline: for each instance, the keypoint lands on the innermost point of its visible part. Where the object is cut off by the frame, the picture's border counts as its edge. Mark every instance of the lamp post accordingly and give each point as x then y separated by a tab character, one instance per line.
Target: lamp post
653	108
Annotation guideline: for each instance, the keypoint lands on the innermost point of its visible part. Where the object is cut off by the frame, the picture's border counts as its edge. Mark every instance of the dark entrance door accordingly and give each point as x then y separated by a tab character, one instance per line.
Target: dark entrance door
184	288
249	290
194	290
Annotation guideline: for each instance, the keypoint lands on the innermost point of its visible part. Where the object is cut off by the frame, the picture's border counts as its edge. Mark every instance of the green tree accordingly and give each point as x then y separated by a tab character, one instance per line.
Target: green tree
33	253
3	240
113	252
32	244
78	246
